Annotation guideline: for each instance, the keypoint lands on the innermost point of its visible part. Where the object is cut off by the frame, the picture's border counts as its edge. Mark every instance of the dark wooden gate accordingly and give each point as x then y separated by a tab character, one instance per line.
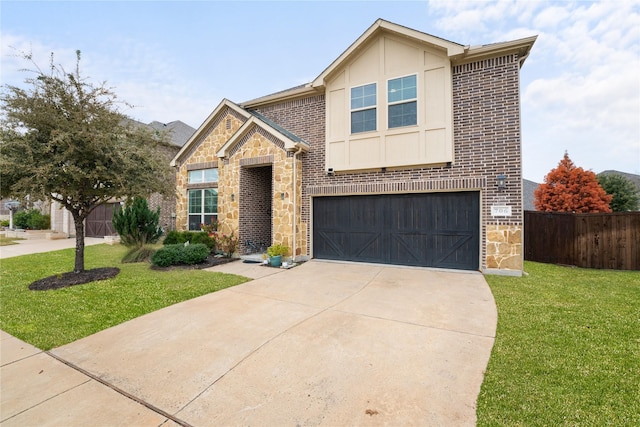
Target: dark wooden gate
427	230
98	223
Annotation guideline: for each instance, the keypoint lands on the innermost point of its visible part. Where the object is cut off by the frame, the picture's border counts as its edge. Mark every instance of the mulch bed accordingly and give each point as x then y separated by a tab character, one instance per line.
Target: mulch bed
211	261
65	280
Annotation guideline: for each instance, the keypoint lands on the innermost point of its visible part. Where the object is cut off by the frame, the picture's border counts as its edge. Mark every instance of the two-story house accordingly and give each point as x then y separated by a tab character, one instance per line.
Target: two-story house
405	150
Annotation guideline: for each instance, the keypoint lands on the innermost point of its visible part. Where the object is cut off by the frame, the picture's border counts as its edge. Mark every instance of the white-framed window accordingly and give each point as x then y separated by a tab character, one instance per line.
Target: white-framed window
402	96
363	108
201	176
203	207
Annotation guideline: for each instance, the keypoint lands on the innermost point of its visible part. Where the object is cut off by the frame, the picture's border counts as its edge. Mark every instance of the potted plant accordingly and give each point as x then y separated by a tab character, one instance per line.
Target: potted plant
276	252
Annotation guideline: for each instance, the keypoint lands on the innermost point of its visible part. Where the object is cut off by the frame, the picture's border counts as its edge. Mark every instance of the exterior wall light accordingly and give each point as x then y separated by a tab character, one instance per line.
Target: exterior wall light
233	197
502	182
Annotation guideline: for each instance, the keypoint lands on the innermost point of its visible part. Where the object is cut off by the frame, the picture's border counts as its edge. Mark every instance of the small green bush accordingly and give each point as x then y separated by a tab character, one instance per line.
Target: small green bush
194	254
32	219
175	254
204	238
4	223
176	237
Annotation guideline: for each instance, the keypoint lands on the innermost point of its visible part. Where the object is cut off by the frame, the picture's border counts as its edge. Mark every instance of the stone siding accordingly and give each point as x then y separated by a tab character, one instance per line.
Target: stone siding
258	150
203	154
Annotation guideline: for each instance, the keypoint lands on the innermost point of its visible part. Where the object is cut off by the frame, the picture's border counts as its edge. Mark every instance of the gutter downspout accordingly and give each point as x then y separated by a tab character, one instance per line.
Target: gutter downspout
295	199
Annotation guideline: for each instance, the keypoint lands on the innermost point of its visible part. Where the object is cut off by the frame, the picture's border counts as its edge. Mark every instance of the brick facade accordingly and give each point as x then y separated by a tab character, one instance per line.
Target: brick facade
486	114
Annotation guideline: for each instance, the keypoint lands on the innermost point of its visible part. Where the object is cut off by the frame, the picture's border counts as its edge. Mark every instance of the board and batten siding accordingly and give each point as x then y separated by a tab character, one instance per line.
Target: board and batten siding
430	141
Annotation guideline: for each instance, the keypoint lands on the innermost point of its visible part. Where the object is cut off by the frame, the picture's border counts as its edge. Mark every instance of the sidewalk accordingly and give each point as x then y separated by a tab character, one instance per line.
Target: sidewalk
34	246
39	390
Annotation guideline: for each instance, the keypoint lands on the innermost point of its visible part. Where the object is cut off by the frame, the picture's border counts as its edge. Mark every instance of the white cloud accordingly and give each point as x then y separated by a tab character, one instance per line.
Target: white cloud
140	74
580	86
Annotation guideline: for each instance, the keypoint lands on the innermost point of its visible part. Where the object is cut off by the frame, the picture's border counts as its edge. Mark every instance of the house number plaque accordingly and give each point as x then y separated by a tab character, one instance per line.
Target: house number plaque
500	210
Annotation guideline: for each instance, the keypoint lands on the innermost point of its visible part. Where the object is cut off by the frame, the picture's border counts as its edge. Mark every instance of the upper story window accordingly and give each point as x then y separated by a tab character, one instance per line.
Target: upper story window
363	108
202	176
402	96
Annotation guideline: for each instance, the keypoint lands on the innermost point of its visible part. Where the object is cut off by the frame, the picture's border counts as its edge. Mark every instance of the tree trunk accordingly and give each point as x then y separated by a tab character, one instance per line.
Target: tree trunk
79	224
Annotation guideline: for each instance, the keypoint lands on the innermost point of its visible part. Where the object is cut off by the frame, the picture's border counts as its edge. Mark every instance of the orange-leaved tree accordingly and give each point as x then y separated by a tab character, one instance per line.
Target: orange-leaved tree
569	188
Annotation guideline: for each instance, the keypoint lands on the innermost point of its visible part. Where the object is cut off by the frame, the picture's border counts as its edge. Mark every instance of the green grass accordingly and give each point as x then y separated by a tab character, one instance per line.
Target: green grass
567	350
48	319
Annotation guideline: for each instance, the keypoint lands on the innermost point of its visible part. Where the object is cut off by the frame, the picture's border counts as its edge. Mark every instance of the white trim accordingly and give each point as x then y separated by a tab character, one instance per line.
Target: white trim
404	101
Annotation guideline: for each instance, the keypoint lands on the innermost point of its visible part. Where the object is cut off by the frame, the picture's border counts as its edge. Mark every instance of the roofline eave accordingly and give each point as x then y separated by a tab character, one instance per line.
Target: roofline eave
289	144
196	135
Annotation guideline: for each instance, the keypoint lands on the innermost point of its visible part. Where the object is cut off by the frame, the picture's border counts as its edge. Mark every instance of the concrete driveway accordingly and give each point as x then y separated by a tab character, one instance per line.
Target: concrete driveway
320	344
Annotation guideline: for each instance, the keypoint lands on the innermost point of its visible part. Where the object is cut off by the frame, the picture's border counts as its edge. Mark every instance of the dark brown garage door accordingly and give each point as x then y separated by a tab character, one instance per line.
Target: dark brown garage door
427	230
98	222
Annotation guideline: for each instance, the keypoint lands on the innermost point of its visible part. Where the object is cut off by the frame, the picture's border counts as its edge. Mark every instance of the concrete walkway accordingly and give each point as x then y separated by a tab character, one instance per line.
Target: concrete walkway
320	344
34	246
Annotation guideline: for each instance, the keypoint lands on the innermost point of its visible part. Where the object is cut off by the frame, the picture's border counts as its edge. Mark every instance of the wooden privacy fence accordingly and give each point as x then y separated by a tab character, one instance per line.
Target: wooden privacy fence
610	241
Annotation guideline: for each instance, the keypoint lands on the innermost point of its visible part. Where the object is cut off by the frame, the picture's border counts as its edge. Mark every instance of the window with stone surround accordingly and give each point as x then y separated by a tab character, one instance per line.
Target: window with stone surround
201	176
363	108
203	207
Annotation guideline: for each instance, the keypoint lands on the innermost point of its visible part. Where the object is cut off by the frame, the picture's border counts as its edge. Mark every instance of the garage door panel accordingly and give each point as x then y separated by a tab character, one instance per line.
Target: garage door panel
408	248
454	251
433	229
365	246
331	245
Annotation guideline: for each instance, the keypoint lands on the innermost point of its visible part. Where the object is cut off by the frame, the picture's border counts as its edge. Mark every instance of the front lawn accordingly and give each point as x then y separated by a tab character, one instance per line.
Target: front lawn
567	350
48	319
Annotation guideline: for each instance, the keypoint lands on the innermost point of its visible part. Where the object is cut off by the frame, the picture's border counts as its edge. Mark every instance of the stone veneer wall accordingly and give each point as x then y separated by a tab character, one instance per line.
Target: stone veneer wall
203	154
258	148
486	104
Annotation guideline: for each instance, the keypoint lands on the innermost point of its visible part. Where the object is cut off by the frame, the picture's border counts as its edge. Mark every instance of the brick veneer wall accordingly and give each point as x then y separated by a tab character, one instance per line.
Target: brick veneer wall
256	185
486	114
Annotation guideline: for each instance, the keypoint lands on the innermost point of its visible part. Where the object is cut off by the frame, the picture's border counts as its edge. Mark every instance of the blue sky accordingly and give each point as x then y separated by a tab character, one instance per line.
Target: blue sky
177	60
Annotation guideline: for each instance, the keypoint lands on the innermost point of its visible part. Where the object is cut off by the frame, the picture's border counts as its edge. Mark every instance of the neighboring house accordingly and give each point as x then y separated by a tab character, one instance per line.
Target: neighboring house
98	223
528	195
391	155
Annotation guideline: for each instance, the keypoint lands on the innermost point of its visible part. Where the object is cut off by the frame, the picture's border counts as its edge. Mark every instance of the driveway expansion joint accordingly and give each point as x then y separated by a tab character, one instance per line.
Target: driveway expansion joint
120	391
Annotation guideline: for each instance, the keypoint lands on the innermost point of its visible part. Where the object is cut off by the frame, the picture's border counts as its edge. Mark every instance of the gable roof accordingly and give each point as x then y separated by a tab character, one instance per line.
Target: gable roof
204	127
456	52
452	49
291	141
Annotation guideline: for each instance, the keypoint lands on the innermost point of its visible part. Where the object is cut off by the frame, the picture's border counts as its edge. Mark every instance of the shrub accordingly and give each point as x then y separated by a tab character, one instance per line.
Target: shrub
176	237
136	224
194	254
167	255
32	219
180	254
4	223
227	243
138	254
